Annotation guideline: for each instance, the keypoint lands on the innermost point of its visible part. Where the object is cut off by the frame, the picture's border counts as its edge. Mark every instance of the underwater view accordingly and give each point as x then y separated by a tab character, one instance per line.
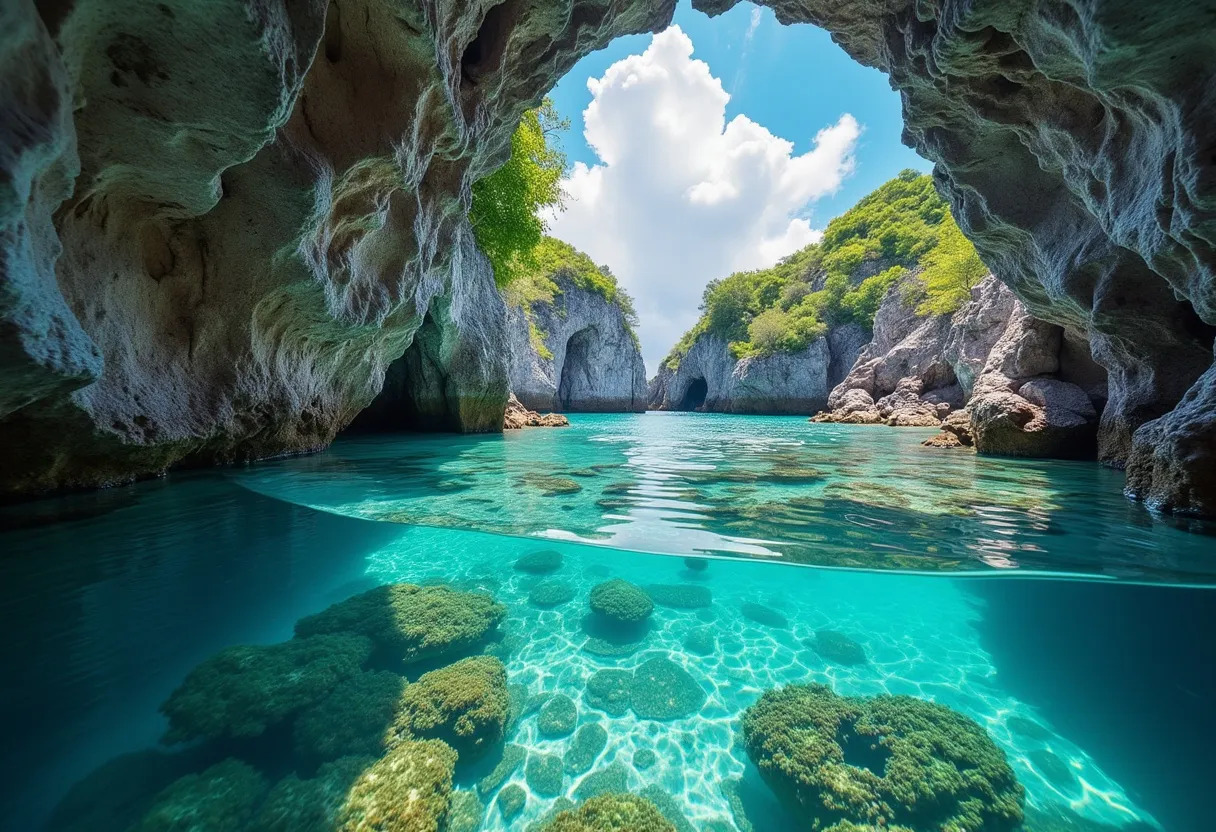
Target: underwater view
748	623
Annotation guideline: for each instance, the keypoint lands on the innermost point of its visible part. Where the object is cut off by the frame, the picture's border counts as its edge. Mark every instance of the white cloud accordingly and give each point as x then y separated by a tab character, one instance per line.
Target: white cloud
753	24
680	196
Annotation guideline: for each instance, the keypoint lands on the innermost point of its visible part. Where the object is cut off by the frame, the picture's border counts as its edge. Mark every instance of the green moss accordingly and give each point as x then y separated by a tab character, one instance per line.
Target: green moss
549	594
540	562
608	690
510	761
464	704
311	805
241	691
767	616
222	797
680	596
621	601
544	774
586	747
890	761
352	719
837	647
412	622
511	802
661	689
558	717
611	813
410	787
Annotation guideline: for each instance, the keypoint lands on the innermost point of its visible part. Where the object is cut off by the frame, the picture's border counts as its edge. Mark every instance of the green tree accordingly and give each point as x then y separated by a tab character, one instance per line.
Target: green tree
506	204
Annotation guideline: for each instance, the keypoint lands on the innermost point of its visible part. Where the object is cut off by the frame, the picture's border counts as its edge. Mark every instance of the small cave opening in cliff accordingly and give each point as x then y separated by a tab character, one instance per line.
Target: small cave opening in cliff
694	396
575	369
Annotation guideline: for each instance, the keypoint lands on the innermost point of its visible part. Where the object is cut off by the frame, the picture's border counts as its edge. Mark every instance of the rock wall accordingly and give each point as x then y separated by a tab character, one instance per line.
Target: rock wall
1075	141
1026	389
593	361
709	378
221	222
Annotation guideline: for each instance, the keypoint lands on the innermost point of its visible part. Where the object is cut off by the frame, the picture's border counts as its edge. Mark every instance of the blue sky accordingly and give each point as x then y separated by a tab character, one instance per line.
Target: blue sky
752	194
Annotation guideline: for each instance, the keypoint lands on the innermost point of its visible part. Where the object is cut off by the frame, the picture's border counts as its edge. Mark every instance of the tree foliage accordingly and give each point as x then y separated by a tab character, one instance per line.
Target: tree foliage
506	204
903	225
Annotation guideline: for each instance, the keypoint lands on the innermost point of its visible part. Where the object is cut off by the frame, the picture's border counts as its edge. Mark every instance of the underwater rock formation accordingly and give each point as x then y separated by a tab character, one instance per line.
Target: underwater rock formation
410	787
352	719
889	761
222	797
611	813
312	804
411	622
620	602
584	355
465	704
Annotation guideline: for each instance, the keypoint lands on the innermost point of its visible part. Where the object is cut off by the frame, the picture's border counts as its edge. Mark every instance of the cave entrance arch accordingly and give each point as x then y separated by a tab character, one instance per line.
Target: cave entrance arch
694	396
575	379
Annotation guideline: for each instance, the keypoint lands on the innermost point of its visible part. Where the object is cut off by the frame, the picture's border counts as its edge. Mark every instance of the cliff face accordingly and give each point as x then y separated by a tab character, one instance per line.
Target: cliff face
584	356
219	224
709	378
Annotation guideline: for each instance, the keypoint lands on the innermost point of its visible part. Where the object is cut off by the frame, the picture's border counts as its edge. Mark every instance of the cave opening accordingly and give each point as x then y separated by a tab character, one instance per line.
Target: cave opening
694	396
576	370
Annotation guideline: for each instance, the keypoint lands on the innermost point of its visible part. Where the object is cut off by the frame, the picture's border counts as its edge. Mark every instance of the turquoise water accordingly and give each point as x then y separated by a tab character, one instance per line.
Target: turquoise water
1099	692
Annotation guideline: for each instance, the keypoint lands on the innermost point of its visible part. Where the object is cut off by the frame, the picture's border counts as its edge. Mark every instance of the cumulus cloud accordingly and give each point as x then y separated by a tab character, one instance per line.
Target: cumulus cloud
680	196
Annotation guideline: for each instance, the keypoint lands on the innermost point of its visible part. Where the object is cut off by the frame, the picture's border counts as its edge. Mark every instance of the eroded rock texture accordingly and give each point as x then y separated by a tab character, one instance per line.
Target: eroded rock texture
220	223
1076	141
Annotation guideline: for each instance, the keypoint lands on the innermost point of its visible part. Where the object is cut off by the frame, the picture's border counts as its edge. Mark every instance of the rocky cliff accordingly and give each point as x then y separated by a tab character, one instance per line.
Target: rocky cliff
574	351
709	378
1020	386
220	223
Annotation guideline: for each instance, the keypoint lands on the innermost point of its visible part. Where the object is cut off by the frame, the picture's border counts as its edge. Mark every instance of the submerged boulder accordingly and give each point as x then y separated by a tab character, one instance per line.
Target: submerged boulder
413	622
837	647
889	761
585	748
621	602
661	689
613	812
540	562
553	593
544	774
241	691
310	805
557	717
410	787
222	797
464	704
608	690
353	719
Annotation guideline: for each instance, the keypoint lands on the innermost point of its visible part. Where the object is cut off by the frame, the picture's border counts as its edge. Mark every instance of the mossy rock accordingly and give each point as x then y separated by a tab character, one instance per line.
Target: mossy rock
700	641
557	717
680	596
541	562
585	748
222	797
410	787
311	805
611	813
412	622
467	813
353	719
549	594
767	616
511	802
608	690
696	564
621	602
661	689
511	759
889	761
644	759
837	647
609	779
544	774
464	704
241	691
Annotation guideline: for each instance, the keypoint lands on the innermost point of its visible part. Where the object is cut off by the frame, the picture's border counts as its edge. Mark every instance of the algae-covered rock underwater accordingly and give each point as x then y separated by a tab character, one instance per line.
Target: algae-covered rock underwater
646	416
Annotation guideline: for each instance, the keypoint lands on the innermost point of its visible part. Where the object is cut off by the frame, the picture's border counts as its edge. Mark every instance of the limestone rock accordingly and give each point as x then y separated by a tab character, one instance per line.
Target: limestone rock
518	417
594	362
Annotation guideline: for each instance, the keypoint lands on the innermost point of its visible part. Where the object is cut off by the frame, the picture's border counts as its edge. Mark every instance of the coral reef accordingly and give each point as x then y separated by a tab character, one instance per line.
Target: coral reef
644	758
620	602
611	813
557	717
412	622
680	596
548	594
700	641
410	787
661	689
311	805
464	704
222	797
767	616
696	564
608	690
512	757
837	647
544	774
611	778
511	802
353	719
466	813
241	691
887	761
588	742
540	562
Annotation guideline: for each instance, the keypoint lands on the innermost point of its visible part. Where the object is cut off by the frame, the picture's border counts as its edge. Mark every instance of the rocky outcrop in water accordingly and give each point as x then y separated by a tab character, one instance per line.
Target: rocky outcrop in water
709	378
1027	389
582	357
220	225
518	417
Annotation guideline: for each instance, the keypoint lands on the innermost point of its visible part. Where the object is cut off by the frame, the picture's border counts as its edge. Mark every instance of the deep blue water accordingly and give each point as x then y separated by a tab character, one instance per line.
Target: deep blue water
110	599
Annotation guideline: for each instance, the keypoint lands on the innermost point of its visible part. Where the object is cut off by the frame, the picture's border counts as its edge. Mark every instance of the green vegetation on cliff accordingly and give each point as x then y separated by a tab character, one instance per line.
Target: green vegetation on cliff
902	226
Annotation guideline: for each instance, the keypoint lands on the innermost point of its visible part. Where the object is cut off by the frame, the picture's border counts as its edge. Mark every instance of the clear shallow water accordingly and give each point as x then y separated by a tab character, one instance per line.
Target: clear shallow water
771	488
1101	694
